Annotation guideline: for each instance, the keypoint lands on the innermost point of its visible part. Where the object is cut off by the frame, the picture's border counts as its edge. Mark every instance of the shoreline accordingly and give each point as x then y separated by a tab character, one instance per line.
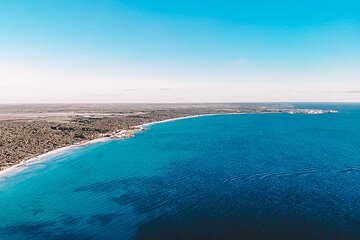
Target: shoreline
119	134
13	170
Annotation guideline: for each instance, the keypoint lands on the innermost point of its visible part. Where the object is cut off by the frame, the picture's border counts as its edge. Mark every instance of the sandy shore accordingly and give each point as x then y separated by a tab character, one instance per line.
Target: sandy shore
121	134
43	157
187	117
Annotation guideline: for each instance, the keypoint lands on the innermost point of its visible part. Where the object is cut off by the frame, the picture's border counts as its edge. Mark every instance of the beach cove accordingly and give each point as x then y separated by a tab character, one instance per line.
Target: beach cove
118	134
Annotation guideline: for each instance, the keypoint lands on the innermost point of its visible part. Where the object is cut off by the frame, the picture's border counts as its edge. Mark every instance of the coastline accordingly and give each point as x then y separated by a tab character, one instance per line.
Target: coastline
186	117
119	134
13	170
46	156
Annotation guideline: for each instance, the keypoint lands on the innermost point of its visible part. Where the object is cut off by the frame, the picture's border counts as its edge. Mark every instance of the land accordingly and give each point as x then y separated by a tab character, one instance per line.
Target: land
30	130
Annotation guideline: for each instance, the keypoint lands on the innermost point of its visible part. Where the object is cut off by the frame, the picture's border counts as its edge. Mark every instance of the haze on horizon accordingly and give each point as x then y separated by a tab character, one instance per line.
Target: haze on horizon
133	51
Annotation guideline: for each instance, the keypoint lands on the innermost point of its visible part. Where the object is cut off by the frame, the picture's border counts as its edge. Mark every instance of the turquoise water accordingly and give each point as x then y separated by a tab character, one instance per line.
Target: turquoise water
269	176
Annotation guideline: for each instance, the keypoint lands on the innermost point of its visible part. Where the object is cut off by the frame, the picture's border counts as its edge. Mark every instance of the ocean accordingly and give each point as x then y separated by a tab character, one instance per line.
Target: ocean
251	176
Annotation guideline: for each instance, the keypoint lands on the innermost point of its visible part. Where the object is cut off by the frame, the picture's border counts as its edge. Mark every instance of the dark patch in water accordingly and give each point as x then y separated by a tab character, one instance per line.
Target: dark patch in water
30	228
193	204
200	225
69	220
101	219
350	169
44	230
69	236
33	209
146	195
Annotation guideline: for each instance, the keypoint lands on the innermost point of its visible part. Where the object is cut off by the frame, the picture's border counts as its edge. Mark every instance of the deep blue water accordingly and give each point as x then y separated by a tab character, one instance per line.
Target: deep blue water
269	176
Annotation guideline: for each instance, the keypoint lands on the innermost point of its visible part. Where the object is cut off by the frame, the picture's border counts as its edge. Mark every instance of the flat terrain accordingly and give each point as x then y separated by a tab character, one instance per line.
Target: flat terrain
29	130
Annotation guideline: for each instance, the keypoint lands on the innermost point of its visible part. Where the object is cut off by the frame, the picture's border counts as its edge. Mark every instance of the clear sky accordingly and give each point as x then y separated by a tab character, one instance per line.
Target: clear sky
179	51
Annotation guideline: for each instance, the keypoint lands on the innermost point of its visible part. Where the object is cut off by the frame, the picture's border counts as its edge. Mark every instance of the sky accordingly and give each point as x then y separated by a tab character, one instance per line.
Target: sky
142	51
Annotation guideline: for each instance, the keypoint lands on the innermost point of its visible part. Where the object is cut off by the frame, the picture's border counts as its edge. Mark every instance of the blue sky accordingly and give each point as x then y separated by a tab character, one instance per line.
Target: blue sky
179	51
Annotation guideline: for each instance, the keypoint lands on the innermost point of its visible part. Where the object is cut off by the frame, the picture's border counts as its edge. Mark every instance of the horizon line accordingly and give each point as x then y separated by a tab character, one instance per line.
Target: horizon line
154	103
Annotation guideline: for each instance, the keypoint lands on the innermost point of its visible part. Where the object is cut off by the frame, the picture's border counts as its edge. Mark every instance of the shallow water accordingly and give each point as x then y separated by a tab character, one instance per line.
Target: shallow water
268	176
